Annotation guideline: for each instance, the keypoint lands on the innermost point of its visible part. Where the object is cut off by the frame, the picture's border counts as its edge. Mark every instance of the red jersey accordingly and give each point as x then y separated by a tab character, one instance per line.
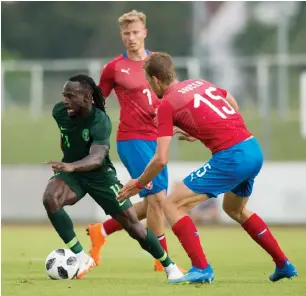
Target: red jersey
137	101
200	109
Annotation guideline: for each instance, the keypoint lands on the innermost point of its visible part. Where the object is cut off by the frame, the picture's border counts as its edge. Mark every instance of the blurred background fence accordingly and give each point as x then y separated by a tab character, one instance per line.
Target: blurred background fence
255	50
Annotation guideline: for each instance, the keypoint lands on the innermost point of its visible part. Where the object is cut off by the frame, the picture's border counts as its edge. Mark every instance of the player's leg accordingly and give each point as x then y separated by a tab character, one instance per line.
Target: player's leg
176	208
111	225
156	221
235	206
98	232
212	179
135	155
63	190
155	192
148	241
105	195
248	159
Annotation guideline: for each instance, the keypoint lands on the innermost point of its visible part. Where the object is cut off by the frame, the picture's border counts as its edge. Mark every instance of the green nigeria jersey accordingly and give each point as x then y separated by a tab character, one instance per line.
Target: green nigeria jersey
78	134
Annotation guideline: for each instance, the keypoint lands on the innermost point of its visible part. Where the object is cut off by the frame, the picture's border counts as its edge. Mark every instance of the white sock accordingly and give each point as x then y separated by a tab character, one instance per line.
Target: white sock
103	231
170	266
82	255
173	271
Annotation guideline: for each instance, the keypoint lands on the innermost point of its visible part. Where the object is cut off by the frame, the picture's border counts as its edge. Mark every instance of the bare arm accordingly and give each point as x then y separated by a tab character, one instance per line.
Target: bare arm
157	163
93	160
106	82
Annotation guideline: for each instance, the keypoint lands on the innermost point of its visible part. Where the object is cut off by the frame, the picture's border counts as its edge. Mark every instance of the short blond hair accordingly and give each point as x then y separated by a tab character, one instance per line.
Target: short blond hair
131	17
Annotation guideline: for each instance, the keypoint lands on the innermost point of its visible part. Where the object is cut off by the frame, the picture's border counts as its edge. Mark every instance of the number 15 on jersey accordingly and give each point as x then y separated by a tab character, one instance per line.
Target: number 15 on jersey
226	109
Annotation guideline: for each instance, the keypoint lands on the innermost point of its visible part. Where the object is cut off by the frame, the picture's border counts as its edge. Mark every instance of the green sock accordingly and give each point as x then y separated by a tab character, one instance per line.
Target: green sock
155	249
64	227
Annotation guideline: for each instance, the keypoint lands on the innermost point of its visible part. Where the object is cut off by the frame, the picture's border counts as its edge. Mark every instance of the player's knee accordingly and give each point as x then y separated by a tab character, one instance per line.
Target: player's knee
170	204
156	202
141	209
185	208
235	214
137	231
167	206
51	202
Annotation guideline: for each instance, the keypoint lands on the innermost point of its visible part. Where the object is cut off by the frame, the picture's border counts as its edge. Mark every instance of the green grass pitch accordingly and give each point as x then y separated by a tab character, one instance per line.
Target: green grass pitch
241	267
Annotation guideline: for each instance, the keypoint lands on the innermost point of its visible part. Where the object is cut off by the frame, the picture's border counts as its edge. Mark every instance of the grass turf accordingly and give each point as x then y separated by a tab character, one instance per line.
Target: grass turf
241	267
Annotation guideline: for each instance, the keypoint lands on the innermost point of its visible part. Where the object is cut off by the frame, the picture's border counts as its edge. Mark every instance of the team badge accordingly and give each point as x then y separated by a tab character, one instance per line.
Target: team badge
85	134
149	186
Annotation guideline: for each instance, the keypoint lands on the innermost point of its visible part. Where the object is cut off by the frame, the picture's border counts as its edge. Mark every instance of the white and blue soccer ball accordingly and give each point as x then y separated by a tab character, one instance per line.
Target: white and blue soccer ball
62	264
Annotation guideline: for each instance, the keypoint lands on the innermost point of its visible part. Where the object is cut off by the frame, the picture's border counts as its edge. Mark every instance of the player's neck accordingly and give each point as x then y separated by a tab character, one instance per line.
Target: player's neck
166	87
86	112
174	82
139	55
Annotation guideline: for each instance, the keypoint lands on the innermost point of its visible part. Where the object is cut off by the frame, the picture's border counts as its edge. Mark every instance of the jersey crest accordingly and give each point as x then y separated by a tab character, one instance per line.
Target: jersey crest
85	134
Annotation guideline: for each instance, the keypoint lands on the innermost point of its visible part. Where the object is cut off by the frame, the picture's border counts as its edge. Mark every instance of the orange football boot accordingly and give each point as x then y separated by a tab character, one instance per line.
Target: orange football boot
98	240
158	267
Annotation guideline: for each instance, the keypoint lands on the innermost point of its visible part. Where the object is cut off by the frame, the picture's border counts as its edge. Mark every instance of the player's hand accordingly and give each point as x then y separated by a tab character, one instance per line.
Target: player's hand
128	190
184	136
58	166
187	138
176	130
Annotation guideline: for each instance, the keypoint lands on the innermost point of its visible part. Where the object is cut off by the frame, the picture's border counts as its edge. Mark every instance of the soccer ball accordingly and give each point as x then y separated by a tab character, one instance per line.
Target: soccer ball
62	264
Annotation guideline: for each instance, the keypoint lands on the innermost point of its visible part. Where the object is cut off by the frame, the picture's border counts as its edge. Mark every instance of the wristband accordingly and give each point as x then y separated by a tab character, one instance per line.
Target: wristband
138	185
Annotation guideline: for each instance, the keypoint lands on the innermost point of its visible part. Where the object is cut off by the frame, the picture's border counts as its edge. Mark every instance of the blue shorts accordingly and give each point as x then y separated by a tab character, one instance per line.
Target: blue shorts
233	169
135	155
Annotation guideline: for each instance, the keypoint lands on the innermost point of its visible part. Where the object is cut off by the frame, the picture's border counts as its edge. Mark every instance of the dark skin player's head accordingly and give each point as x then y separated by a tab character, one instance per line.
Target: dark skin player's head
77	99
79	93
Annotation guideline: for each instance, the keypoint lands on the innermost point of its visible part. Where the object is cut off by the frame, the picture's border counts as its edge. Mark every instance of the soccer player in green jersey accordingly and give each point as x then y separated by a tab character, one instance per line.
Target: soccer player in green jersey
86	168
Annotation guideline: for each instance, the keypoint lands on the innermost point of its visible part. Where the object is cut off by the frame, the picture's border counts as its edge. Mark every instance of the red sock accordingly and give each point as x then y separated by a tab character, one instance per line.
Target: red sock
163	242
260	233
188	236
111	225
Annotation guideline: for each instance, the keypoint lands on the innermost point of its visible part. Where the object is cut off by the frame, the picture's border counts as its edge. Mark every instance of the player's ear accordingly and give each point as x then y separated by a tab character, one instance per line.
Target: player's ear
145	33
87	98
121	34
155	80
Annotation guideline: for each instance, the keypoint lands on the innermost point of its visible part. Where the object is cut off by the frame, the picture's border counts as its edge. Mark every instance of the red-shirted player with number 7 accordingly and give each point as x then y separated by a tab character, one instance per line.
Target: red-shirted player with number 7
137	132
201	110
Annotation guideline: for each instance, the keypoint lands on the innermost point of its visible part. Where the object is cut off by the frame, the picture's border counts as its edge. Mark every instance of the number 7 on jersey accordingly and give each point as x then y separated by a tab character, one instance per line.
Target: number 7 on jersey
147	92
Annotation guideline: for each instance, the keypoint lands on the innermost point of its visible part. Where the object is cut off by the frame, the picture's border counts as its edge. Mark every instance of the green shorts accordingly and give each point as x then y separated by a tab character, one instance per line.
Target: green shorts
103	189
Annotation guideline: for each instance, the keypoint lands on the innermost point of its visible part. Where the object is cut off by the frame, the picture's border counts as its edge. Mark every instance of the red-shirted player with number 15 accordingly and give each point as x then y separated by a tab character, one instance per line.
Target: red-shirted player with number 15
210	115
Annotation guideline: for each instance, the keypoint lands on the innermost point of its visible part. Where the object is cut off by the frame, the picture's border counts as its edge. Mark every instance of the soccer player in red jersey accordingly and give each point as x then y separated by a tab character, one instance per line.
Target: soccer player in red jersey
203	111
137	133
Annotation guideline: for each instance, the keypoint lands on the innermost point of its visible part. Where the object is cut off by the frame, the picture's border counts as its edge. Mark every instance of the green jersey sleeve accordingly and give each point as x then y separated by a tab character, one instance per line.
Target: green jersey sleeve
101	129
58	112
